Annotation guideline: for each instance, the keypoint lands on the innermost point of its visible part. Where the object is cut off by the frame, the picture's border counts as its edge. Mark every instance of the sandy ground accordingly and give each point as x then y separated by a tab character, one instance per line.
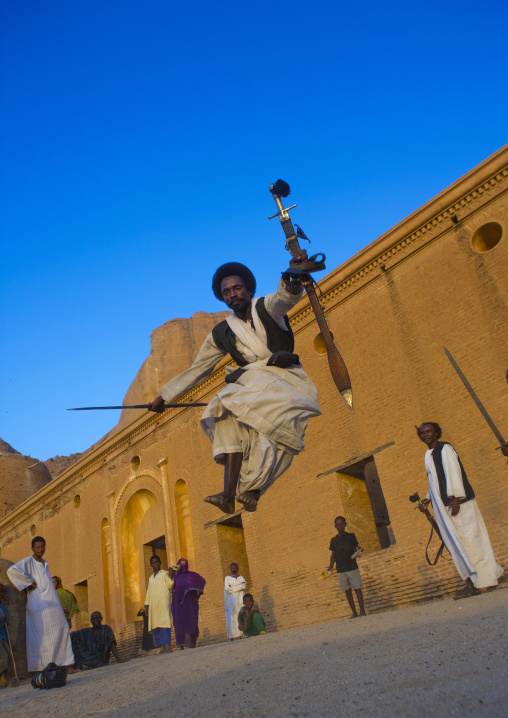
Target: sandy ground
444	658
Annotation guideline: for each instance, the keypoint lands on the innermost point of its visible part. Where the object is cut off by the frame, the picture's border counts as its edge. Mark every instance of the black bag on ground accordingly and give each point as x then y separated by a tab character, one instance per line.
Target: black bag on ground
52	676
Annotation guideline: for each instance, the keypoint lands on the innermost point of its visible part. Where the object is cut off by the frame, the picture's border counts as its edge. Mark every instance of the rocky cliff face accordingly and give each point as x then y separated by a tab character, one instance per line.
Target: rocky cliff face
174	347
6	448
20	477
58	464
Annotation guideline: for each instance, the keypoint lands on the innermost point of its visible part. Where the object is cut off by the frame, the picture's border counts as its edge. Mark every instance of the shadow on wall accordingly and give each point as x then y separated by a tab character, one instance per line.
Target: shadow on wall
205	637
266	606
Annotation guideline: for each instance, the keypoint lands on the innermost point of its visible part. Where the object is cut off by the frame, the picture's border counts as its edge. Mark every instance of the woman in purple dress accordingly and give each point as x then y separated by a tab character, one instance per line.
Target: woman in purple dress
188	587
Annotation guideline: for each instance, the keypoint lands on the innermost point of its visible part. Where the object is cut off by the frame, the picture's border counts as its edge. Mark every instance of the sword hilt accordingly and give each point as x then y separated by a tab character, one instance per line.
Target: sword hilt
278	190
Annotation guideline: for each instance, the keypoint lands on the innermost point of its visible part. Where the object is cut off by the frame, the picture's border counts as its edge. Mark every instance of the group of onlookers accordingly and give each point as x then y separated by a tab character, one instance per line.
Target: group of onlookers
242	614
174	591
172	597
49	611
457	518
173	594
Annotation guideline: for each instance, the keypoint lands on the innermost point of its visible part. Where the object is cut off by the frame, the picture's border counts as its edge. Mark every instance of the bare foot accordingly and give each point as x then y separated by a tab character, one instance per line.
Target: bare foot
222	501
72	670
362	613
354	615
249	500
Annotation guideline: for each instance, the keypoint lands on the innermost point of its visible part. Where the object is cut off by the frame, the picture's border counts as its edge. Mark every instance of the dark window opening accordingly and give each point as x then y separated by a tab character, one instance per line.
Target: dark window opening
232	547
364	503
157	547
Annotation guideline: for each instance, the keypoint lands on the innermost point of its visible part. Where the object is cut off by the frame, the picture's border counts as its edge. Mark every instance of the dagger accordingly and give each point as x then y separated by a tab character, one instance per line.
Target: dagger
474	397
301	271
137	406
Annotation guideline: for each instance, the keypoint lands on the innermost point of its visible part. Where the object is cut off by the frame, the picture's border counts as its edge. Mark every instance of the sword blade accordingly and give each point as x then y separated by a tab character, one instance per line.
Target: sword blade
134	406
474	397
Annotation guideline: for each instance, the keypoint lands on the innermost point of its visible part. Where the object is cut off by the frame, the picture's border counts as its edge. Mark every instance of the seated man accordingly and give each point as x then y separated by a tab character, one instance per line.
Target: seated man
92	646
250	621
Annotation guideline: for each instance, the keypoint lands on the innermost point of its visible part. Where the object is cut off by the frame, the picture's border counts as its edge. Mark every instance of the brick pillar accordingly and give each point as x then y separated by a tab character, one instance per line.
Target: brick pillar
116	603
168	513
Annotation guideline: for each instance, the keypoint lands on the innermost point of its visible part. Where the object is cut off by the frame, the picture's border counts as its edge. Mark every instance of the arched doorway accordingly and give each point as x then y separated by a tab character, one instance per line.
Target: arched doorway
142	522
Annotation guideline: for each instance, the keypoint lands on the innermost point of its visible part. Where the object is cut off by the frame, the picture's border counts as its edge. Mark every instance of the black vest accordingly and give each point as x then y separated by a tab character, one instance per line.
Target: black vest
277	339
441	478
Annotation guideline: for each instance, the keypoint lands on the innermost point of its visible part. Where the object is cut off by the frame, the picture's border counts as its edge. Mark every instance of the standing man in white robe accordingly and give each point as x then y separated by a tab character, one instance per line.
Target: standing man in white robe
258	421
234	588
457	514
47	629
158	605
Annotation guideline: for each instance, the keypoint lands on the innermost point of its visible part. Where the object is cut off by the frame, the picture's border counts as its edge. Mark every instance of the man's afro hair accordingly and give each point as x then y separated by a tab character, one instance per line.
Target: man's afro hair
437	429
231	269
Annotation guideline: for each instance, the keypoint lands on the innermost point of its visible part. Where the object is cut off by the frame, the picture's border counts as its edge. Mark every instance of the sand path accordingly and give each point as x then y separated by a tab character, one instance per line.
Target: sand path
442	658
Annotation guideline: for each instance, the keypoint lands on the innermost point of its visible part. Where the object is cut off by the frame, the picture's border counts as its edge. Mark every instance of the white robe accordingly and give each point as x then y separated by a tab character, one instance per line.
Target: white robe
264	414
47	629
234	587
158	600
465	535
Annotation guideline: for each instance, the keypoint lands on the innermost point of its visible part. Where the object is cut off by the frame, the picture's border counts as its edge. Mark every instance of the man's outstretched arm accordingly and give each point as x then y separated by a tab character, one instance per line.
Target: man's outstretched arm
200	369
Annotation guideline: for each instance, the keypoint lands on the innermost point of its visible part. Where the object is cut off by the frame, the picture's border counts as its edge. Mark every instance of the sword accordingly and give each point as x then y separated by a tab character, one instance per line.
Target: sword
136	406
336	363
474	397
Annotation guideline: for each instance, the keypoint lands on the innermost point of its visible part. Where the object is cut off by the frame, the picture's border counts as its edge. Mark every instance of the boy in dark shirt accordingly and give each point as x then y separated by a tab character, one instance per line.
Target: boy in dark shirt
343	546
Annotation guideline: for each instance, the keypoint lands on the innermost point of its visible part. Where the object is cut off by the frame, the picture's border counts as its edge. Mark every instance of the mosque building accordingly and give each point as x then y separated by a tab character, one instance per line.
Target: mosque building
438	278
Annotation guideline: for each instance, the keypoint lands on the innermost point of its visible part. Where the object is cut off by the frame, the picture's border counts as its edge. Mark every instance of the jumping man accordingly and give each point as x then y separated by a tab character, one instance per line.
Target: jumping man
258	421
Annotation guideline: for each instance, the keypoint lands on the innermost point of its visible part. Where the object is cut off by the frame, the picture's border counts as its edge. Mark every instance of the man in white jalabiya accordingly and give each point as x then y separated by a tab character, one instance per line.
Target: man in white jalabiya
458	516
158	605
47	629
258	421
234	588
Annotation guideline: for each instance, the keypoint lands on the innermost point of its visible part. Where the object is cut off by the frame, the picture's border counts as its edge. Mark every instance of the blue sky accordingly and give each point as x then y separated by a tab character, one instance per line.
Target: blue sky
138	141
